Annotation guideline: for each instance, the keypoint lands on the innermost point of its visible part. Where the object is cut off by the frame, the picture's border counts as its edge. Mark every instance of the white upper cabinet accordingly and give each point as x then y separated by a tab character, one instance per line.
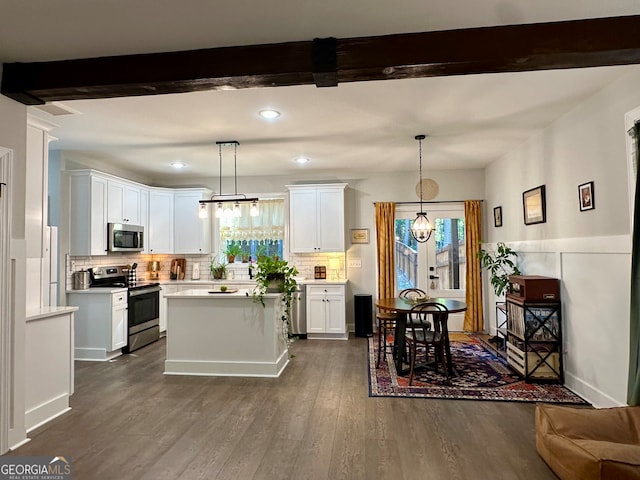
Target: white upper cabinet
124	203
144	216
316	218
87	213
191	233
97	199
160	231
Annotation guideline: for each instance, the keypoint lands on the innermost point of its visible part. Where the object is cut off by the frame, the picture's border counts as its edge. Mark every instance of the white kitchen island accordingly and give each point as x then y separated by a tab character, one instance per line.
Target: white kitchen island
225	334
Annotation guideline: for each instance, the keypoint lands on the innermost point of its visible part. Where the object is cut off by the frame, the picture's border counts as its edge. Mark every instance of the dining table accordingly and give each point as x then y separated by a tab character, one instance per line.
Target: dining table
403	307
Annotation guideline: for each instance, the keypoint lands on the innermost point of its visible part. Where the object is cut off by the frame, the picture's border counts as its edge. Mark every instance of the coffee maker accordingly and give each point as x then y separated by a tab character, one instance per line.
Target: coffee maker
154	269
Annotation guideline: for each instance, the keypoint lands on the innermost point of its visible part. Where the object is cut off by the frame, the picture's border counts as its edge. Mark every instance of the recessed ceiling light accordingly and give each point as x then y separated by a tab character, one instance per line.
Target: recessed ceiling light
178	165
302	160
269	114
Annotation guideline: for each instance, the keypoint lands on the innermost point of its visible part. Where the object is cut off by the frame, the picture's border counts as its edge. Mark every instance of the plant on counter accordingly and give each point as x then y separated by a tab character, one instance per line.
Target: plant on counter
500	266
218	269
233	250
261	251
276	276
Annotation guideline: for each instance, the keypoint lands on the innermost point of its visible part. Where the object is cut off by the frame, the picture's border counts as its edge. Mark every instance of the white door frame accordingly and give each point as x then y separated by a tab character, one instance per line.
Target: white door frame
5	299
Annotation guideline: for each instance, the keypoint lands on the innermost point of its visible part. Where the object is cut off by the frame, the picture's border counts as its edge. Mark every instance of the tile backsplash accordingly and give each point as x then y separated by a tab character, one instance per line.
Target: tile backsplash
305	263
82	263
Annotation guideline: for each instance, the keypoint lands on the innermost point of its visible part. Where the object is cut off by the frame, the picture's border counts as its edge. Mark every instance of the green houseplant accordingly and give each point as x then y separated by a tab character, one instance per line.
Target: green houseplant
218	269
275	276
500	264
261	252
233	250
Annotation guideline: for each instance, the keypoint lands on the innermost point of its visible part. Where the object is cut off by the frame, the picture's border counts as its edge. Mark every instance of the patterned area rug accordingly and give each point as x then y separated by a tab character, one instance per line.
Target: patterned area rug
481	376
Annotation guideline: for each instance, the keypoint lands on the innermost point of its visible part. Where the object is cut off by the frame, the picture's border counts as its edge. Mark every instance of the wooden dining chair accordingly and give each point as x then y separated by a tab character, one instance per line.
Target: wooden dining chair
386	324
426	327
412	293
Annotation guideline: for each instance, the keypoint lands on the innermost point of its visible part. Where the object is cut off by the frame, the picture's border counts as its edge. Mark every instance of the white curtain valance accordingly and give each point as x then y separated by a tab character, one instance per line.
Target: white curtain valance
268	225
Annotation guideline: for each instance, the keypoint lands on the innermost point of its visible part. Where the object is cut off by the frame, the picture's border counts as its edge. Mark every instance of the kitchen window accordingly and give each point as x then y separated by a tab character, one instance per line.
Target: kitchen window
260	235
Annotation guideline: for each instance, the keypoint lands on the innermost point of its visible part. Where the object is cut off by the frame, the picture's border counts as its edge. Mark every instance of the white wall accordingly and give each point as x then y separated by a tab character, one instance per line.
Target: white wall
589	251
13	136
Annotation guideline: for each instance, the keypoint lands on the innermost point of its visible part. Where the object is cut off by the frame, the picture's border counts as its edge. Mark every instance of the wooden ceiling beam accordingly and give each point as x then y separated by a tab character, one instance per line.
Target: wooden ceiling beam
327	62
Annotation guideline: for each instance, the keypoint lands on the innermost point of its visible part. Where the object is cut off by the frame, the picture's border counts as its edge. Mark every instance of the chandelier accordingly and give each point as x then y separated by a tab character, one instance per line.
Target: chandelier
421	228
221	198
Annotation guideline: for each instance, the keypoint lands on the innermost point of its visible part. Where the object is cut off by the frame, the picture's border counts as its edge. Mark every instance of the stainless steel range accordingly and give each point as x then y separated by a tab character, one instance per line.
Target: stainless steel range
143	303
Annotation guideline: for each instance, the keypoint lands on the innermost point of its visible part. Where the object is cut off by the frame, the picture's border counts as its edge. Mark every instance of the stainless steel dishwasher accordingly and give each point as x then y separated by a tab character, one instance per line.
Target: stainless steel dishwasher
298	318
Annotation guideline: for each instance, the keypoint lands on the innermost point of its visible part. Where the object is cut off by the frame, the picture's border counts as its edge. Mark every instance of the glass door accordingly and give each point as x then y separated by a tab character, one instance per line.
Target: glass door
438	266
446	259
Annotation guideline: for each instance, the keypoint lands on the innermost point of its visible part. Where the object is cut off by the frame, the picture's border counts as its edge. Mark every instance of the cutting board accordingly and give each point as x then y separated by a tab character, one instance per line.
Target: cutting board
178	267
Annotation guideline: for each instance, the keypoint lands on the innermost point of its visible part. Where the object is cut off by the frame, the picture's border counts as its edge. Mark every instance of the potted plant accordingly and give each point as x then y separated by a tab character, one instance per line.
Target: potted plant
500	264
261	251
233	250
276	276
218	269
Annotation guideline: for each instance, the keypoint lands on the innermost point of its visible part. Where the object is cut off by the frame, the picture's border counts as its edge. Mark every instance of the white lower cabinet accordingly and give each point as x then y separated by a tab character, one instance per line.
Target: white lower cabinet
119	313
166	290
326	311
100	329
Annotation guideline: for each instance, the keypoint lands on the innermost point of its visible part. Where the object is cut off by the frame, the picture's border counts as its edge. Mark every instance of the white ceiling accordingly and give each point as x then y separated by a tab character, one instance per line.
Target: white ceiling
358	127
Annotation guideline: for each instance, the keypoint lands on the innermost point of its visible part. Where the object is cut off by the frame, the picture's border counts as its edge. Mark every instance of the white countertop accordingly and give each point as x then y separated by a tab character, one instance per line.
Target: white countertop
47	312
207	282
101	290
323	282
204	293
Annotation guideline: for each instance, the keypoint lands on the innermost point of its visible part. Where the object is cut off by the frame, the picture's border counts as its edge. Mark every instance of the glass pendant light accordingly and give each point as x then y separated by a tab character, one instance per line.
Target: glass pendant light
203	213
254	209
421	228
222	199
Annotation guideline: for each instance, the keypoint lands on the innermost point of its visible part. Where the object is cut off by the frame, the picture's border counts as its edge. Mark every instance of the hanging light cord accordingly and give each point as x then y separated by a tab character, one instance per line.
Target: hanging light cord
420	138
235	167
220	174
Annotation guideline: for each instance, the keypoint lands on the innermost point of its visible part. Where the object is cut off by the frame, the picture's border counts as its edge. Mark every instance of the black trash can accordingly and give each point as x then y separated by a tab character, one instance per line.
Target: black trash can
363	306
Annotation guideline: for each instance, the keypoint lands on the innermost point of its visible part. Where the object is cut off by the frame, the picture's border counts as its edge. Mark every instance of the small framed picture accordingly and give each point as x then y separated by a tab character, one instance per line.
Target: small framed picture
585	196
497	216
534	206
359	235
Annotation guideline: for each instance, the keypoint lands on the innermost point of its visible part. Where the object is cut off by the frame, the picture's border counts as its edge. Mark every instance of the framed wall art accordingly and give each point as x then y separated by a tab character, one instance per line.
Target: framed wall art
497	216
585	196
359	235
534	206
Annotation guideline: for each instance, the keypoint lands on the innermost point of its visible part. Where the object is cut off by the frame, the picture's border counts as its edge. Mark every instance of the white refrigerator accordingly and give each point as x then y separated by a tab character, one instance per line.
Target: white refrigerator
50	268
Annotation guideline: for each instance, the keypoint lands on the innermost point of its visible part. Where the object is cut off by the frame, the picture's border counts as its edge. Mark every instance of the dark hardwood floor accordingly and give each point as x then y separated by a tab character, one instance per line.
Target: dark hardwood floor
129	421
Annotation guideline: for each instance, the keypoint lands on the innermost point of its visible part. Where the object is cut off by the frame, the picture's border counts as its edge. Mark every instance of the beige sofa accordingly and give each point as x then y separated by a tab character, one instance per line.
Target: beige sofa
586	443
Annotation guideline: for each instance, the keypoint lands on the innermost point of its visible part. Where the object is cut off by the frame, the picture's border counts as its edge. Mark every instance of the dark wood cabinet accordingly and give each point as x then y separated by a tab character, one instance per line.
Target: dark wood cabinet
534	328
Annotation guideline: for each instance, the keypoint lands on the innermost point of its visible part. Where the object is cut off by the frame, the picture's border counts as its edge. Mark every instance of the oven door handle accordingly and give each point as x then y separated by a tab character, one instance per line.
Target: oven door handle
144	291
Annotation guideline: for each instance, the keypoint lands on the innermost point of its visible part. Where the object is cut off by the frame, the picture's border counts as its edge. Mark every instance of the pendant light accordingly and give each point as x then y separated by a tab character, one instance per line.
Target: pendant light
421	228
234	197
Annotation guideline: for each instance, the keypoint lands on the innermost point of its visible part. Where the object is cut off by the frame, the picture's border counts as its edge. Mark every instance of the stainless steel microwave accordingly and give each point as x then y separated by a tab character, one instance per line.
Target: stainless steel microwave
123	237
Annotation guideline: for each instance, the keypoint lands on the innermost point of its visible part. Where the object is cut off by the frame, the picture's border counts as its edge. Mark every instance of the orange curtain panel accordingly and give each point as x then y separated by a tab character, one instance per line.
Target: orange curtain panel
473	318
385	243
